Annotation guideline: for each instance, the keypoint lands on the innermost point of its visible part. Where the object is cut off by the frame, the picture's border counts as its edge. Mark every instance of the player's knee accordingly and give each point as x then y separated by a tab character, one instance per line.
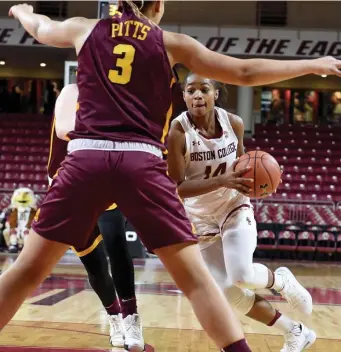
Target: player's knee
242	277
241	299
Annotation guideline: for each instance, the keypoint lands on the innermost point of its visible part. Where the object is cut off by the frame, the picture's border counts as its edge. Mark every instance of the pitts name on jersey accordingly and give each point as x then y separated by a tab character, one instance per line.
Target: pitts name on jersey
212	154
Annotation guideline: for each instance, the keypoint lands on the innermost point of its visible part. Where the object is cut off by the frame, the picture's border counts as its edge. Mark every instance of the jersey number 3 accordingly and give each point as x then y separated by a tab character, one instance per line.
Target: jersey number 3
122	74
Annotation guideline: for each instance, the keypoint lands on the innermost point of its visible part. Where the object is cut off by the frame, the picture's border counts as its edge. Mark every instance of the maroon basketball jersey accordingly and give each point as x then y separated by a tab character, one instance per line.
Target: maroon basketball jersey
58	151
124	80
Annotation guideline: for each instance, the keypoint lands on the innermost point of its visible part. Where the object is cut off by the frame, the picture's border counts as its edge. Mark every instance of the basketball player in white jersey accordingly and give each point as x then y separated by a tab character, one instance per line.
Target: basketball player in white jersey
203	144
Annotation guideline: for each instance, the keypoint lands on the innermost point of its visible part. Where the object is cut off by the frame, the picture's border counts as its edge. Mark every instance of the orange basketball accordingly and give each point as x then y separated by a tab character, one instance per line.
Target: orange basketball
265	172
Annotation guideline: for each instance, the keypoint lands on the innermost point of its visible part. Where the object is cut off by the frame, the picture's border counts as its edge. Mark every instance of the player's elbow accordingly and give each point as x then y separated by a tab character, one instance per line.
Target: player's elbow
42	35
246	73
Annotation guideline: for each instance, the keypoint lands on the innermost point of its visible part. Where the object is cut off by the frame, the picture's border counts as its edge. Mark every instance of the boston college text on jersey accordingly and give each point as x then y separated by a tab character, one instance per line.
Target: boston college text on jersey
212	154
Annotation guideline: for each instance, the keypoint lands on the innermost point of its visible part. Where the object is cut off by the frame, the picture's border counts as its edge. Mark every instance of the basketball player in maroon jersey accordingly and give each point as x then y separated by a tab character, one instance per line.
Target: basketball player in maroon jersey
115	150
116	292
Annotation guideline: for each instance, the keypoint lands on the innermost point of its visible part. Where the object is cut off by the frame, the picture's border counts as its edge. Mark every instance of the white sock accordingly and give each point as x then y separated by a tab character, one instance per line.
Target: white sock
285	324
278	282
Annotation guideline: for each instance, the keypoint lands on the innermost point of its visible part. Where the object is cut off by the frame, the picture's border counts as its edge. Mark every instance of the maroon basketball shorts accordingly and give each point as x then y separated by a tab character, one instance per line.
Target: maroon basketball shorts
89	181
94	240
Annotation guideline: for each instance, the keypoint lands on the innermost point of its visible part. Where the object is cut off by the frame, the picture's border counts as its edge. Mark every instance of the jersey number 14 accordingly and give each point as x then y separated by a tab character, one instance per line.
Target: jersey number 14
122	75
220	170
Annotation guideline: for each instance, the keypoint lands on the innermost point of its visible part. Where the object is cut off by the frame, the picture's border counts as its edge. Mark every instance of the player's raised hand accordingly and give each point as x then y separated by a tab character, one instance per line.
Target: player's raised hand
235	180
327	66
13	11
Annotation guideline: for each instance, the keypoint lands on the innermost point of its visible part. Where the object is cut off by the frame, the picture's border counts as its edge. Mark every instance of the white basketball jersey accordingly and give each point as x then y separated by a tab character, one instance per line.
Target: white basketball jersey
210	157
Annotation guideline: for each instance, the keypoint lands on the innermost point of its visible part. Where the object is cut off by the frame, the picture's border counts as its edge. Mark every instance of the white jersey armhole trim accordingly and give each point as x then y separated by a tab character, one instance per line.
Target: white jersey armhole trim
226	116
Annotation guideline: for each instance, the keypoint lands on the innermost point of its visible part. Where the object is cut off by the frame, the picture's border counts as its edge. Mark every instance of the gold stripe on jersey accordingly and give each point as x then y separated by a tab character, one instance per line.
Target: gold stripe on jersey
168	117
51	141
112	207
90	249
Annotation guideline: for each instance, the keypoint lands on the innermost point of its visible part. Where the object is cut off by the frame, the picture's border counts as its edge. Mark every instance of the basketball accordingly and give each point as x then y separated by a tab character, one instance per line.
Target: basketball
265	172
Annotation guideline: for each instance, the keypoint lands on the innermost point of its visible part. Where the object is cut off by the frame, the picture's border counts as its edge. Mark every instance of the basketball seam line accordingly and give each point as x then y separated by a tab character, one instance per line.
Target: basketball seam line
254	175
267	173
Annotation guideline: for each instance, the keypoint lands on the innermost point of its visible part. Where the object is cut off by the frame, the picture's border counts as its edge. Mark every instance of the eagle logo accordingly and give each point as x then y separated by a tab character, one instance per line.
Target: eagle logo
264	189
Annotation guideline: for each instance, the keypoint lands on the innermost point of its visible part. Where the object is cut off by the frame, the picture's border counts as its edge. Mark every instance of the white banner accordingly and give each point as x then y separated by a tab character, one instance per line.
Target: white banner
265	42
12	33
229	41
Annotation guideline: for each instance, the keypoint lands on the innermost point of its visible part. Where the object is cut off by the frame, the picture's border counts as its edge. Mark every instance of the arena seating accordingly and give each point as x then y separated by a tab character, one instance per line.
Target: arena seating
302	220
24	148
310	155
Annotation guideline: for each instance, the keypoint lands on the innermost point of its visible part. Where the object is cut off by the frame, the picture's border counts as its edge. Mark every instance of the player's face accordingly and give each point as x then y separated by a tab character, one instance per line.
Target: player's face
200	95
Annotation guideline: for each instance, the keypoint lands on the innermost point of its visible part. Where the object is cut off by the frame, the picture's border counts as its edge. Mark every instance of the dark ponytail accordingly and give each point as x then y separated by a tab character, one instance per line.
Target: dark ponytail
136	6
221	102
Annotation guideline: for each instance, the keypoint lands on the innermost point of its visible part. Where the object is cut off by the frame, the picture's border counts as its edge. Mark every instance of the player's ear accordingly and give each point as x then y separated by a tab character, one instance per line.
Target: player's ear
158	6
183	95
216	94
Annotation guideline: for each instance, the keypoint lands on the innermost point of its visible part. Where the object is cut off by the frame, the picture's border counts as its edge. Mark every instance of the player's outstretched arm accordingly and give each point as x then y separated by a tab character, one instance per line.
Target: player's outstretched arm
66	34
246	72
193	188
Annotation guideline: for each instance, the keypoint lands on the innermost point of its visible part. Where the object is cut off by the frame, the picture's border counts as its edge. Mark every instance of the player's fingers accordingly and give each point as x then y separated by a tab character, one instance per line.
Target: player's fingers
244	189
241	172
336	71
244	180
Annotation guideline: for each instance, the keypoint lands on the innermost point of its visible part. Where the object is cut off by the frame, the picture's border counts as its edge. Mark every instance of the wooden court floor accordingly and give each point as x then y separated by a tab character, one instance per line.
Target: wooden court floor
65	315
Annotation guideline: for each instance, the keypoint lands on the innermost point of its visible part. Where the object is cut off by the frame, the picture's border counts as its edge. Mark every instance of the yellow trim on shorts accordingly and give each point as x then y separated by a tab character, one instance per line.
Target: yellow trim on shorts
90	249
36	217
112	207
51	141
56	174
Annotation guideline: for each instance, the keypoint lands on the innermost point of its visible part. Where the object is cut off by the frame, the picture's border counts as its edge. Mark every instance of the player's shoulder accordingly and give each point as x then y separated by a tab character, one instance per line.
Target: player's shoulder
176	126
236	121
70	88
68	92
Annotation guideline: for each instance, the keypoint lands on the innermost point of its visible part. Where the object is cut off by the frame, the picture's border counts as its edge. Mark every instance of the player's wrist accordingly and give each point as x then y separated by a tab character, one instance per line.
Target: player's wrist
309	66
223	181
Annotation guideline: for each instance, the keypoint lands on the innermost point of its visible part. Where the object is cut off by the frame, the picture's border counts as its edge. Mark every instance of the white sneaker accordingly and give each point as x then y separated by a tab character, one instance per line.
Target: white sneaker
133	337
116	330
294	293
298	339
